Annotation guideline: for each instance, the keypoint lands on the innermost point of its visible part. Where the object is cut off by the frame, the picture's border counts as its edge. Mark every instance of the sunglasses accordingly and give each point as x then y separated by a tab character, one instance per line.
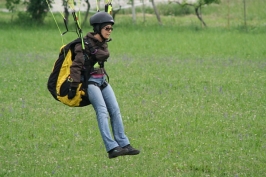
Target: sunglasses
109	28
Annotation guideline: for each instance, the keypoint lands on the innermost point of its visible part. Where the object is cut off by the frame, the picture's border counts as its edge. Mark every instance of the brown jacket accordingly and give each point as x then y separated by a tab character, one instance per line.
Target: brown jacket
101	55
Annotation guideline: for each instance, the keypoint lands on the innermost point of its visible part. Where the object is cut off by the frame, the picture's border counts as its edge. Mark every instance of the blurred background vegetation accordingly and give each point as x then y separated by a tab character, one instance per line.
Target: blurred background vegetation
240	14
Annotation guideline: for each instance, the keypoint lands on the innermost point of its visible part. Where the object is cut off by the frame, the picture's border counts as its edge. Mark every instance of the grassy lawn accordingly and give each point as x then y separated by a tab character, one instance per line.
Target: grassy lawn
192	100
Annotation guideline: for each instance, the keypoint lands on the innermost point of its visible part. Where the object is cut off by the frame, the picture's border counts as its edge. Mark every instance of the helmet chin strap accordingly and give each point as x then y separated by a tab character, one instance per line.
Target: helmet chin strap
102	36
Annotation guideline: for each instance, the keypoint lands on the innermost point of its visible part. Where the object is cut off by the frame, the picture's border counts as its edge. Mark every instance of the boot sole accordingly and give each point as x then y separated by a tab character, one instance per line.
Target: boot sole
122	153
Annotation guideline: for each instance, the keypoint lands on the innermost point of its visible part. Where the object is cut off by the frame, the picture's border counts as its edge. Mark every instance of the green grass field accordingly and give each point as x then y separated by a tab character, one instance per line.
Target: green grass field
192	99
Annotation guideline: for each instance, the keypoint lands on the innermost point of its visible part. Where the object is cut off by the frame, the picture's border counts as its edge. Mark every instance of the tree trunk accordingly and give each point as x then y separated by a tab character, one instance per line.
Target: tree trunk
133	12
66	12
156	12
87	12
143	11
197	11
115	12
199	15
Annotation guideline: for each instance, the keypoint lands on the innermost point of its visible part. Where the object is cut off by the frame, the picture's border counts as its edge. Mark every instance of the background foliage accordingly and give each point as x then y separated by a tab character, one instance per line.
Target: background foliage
192	98
37	11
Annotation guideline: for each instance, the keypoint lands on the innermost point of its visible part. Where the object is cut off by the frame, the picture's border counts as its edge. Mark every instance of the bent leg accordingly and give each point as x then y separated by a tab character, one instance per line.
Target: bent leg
98	103
115	115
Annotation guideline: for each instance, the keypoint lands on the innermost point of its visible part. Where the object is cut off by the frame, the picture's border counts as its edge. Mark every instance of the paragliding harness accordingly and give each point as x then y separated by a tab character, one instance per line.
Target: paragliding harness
59	83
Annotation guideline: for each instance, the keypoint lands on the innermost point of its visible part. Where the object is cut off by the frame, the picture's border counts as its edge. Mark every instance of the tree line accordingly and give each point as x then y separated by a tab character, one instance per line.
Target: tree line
36	10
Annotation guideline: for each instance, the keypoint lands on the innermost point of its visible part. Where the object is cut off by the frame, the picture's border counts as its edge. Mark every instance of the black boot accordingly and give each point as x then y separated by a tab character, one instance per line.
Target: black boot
131	150
117	151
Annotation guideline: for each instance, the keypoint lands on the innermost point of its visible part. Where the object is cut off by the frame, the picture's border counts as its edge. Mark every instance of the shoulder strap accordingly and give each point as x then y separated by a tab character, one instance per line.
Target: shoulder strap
91	48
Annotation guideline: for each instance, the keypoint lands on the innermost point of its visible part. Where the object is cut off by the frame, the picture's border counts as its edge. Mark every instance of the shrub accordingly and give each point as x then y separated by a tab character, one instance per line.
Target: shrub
174	9
37	9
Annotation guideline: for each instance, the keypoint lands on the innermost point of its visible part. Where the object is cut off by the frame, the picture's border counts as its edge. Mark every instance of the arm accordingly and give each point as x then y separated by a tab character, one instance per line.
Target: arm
102	53
77	65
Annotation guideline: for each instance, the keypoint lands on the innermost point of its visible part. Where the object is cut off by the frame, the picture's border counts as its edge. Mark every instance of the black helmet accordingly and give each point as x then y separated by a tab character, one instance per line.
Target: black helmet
101	17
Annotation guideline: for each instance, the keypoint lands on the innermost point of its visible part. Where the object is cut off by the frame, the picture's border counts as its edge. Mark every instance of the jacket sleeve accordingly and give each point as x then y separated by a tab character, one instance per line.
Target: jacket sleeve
77	65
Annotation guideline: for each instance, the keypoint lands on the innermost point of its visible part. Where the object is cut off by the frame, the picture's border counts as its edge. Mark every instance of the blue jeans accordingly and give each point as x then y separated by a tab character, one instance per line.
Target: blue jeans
104	102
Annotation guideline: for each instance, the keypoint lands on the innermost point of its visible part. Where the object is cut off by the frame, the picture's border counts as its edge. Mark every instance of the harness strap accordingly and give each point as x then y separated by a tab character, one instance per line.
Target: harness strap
98	85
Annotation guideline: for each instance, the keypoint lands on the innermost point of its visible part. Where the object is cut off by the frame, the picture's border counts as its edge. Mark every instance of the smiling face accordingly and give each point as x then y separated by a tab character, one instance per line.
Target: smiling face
106	31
